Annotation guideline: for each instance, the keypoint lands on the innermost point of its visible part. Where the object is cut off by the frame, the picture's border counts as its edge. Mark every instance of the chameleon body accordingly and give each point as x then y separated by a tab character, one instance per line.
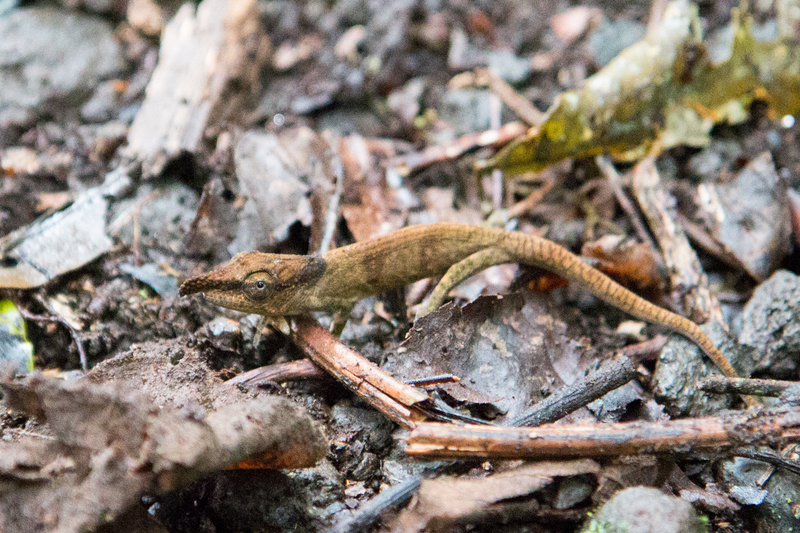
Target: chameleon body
286	285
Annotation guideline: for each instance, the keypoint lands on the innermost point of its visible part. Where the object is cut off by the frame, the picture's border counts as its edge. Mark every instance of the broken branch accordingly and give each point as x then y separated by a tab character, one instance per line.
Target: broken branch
629	438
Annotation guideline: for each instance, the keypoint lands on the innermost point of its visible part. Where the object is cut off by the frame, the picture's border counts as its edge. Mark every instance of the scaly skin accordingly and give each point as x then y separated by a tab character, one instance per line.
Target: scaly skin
286	285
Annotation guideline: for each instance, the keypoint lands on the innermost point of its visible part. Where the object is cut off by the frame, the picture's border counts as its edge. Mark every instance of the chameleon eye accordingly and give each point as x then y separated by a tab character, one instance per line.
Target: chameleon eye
258	286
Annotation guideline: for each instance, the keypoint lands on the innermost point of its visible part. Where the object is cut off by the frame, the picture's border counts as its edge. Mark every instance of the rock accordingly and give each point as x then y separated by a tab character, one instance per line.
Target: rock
749	215
322	487
681	364
365	434
47	57
224	334
775	499
644	510
771	325
163	215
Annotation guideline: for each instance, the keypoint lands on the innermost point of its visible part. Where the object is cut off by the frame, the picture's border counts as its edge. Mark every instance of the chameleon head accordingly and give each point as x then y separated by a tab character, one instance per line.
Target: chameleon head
255	282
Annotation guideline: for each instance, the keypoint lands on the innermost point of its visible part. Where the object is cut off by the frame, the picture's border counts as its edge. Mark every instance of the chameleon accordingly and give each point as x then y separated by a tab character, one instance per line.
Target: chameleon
280	285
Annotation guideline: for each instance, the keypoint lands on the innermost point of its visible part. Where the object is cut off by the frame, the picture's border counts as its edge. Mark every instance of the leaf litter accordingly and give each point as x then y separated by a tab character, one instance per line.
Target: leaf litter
509	352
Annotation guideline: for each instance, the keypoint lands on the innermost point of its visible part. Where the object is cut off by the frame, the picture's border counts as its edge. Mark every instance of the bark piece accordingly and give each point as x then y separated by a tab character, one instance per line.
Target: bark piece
399	402
65	241
209	62
110	446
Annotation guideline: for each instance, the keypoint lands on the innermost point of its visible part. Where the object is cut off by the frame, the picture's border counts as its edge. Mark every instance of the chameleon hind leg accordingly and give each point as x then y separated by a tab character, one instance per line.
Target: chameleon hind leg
459	272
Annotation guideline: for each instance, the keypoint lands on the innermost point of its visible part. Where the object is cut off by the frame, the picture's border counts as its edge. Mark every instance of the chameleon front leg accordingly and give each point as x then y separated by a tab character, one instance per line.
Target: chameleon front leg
340	319
459	272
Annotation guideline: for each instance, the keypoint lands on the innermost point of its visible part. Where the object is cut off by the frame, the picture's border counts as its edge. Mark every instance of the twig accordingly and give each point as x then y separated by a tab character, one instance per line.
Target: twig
498	189
415	161
511	98
611	375
433	380
569	398
718	434
302	369
278	373
398	401
523	206
55	317
769	456
614	180
757	387
370	513
26	433
332	217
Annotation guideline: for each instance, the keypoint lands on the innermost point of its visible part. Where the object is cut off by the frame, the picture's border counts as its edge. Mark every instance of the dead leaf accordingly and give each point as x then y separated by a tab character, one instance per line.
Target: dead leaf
661	92
440	502
509	350
630	263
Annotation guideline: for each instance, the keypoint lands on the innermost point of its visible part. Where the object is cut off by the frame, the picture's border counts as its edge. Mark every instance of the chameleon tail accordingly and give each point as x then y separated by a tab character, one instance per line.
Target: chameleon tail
535	251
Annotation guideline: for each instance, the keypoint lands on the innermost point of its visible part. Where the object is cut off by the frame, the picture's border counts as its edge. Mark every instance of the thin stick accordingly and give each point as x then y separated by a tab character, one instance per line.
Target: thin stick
279	373
776	427
769	456
433	380
757	387
498	189
615	181
390	498
523	206
415	161
332	217
511	98
611	375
